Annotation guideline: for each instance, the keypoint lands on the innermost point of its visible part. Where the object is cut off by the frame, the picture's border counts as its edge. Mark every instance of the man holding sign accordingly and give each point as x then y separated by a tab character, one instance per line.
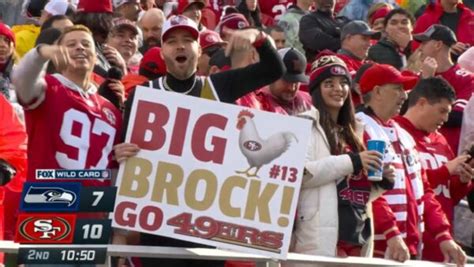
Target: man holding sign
181	50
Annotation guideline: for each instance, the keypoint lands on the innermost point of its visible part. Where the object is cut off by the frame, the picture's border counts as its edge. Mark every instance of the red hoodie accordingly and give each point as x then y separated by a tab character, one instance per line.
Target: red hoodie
462	82
13	141
434	152
432	15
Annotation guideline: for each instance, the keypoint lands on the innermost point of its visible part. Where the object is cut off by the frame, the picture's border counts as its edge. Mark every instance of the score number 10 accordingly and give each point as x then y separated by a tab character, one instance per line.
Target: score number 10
93	231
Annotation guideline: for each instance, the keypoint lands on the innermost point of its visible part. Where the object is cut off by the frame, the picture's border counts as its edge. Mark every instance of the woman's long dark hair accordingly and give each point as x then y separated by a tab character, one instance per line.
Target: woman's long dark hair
343	128
253	17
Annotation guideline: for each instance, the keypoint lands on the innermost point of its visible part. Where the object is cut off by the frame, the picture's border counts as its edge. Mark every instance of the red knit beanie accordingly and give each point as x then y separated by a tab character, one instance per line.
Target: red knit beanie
7	32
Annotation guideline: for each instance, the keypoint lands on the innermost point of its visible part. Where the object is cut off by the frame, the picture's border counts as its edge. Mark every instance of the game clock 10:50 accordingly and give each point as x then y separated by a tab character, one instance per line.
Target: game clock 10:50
76	255
50	255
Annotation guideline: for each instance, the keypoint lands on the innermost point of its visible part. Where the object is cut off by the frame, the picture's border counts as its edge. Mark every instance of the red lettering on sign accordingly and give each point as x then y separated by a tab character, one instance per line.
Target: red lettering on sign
126	215
149	131
130	219
208	228
179	131
149	125
203	124
145	216
183	222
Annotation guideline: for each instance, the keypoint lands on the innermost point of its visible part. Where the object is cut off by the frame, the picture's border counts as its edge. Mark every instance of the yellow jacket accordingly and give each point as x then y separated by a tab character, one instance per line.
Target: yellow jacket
25	36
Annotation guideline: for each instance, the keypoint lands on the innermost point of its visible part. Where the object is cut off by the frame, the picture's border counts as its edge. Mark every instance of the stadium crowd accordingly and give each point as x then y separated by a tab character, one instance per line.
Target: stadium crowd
395	70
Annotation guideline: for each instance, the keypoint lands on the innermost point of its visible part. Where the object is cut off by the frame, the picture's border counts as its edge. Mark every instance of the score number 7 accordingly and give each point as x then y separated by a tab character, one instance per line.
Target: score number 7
98	196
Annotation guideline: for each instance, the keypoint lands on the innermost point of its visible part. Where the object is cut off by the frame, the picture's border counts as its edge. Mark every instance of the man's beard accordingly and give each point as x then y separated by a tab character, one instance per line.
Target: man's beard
149	43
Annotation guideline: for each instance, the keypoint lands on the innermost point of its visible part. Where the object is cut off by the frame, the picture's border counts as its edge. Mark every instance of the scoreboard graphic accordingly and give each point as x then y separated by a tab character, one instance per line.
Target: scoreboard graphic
65	212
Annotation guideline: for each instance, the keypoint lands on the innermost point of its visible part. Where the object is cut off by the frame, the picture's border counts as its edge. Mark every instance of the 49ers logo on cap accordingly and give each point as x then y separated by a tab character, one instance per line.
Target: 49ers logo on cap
211	39
241	24
338	70
45	228
177	20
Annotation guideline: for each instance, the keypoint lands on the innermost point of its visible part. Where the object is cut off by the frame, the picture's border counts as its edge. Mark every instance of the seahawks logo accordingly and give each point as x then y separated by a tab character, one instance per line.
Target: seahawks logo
47	194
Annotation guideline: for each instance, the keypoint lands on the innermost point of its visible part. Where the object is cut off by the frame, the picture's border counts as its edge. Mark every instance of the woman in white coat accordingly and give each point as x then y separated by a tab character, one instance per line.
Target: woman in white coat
335	189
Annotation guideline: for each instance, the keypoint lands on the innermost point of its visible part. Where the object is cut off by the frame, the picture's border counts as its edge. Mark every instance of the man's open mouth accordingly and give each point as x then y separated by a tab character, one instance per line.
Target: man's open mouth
181	59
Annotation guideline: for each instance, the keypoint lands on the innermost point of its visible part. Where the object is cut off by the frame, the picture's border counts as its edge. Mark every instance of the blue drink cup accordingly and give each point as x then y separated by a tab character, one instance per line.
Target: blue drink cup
378	145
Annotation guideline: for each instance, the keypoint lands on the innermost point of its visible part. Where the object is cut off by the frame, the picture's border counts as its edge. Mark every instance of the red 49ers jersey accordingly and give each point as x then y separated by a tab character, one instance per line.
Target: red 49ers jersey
462	82
71	129
274	8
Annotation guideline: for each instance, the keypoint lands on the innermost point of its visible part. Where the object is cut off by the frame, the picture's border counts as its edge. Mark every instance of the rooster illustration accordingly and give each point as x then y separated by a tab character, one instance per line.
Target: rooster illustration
257	150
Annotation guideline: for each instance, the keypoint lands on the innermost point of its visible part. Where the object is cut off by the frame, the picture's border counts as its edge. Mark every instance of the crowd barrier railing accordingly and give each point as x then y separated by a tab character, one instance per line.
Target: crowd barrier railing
217	254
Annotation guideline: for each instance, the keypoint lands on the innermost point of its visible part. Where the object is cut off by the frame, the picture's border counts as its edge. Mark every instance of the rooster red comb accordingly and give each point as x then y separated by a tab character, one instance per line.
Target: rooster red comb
245	113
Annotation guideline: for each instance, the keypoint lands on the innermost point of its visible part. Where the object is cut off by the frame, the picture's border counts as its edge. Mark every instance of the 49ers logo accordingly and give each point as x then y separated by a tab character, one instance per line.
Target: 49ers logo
252	145
45	228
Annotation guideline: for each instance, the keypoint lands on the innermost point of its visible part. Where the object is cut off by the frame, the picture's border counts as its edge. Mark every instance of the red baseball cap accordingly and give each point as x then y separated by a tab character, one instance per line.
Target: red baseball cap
208	38
7	32
120	23
381	74
95	6
152	62
183	4
179	22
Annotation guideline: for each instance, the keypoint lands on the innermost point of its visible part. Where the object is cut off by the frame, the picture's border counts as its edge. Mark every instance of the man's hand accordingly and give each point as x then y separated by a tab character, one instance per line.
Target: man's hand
117	87
428	67
402	39
459	48
241	39
389	173
458	166
124	151
452	251
57	54
397	249
114	58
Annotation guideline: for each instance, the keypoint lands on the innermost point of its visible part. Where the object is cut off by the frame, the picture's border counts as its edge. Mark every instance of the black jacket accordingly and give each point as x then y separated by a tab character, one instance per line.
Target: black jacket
386	52
319	31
